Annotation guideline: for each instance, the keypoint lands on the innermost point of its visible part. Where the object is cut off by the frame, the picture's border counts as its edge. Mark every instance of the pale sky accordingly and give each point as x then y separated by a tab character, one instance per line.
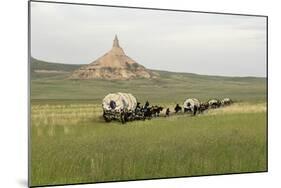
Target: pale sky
211	44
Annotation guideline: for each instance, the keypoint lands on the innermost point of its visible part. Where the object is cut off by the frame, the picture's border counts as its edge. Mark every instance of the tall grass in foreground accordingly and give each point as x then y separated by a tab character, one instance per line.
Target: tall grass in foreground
71	144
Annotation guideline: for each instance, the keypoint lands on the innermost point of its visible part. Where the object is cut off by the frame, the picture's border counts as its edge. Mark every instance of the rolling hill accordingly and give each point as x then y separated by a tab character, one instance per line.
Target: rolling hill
39	68
53	84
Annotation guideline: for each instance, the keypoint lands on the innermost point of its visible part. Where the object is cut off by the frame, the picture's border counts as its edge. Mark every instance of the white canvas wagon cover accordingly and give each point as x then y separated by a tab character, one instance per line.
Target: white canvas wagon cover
119	101
226	100
213	101
191	102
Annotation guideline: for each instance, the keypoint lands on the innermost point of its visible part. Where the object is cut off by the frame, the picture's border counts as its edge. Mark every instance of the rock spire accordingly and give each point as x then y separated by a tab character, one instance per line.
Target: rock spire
113	65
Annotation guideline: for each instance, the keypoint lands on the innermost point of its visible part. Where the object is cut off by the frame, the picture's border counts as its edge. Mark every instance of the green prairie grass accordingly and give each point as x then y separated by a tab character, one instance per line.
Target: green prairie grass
72	144
169	88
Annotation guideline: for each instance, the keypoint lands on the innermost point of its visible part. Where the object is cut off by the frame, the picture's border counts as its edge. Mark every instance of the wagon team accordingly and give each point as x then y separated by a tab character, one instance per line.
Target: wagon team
124	107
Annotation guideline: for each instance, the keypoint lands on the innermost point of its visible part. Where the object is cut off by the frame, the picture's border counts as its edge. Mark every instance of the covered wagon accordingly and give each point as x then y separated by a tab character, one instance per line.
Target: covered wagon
119	106
214	103
191	105
226	101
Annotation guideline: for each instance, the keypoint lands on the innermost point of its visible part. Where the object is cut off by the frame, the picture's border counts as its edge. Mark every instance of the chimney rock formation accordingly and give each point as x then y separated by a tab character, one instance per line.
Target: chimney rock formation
114	65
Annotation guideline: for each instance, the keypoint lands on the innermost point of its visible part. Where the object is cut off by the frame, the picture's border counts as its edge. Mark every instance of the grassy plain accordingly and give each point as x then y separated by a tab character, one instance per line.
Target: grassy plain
169	88
70	142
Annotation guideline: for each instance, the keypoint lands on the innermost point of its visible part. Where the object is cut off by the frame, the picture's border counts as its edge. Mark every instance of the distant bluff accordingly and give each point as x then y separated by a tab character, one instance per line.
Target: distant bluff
114	65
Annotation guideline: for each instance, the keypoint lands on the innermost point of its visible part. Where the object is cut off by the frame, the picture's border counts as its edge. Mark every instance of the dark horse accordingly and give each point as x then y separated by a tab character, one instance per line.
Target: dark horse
147	111
139	114
167	112
178	108
156	110
203	107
